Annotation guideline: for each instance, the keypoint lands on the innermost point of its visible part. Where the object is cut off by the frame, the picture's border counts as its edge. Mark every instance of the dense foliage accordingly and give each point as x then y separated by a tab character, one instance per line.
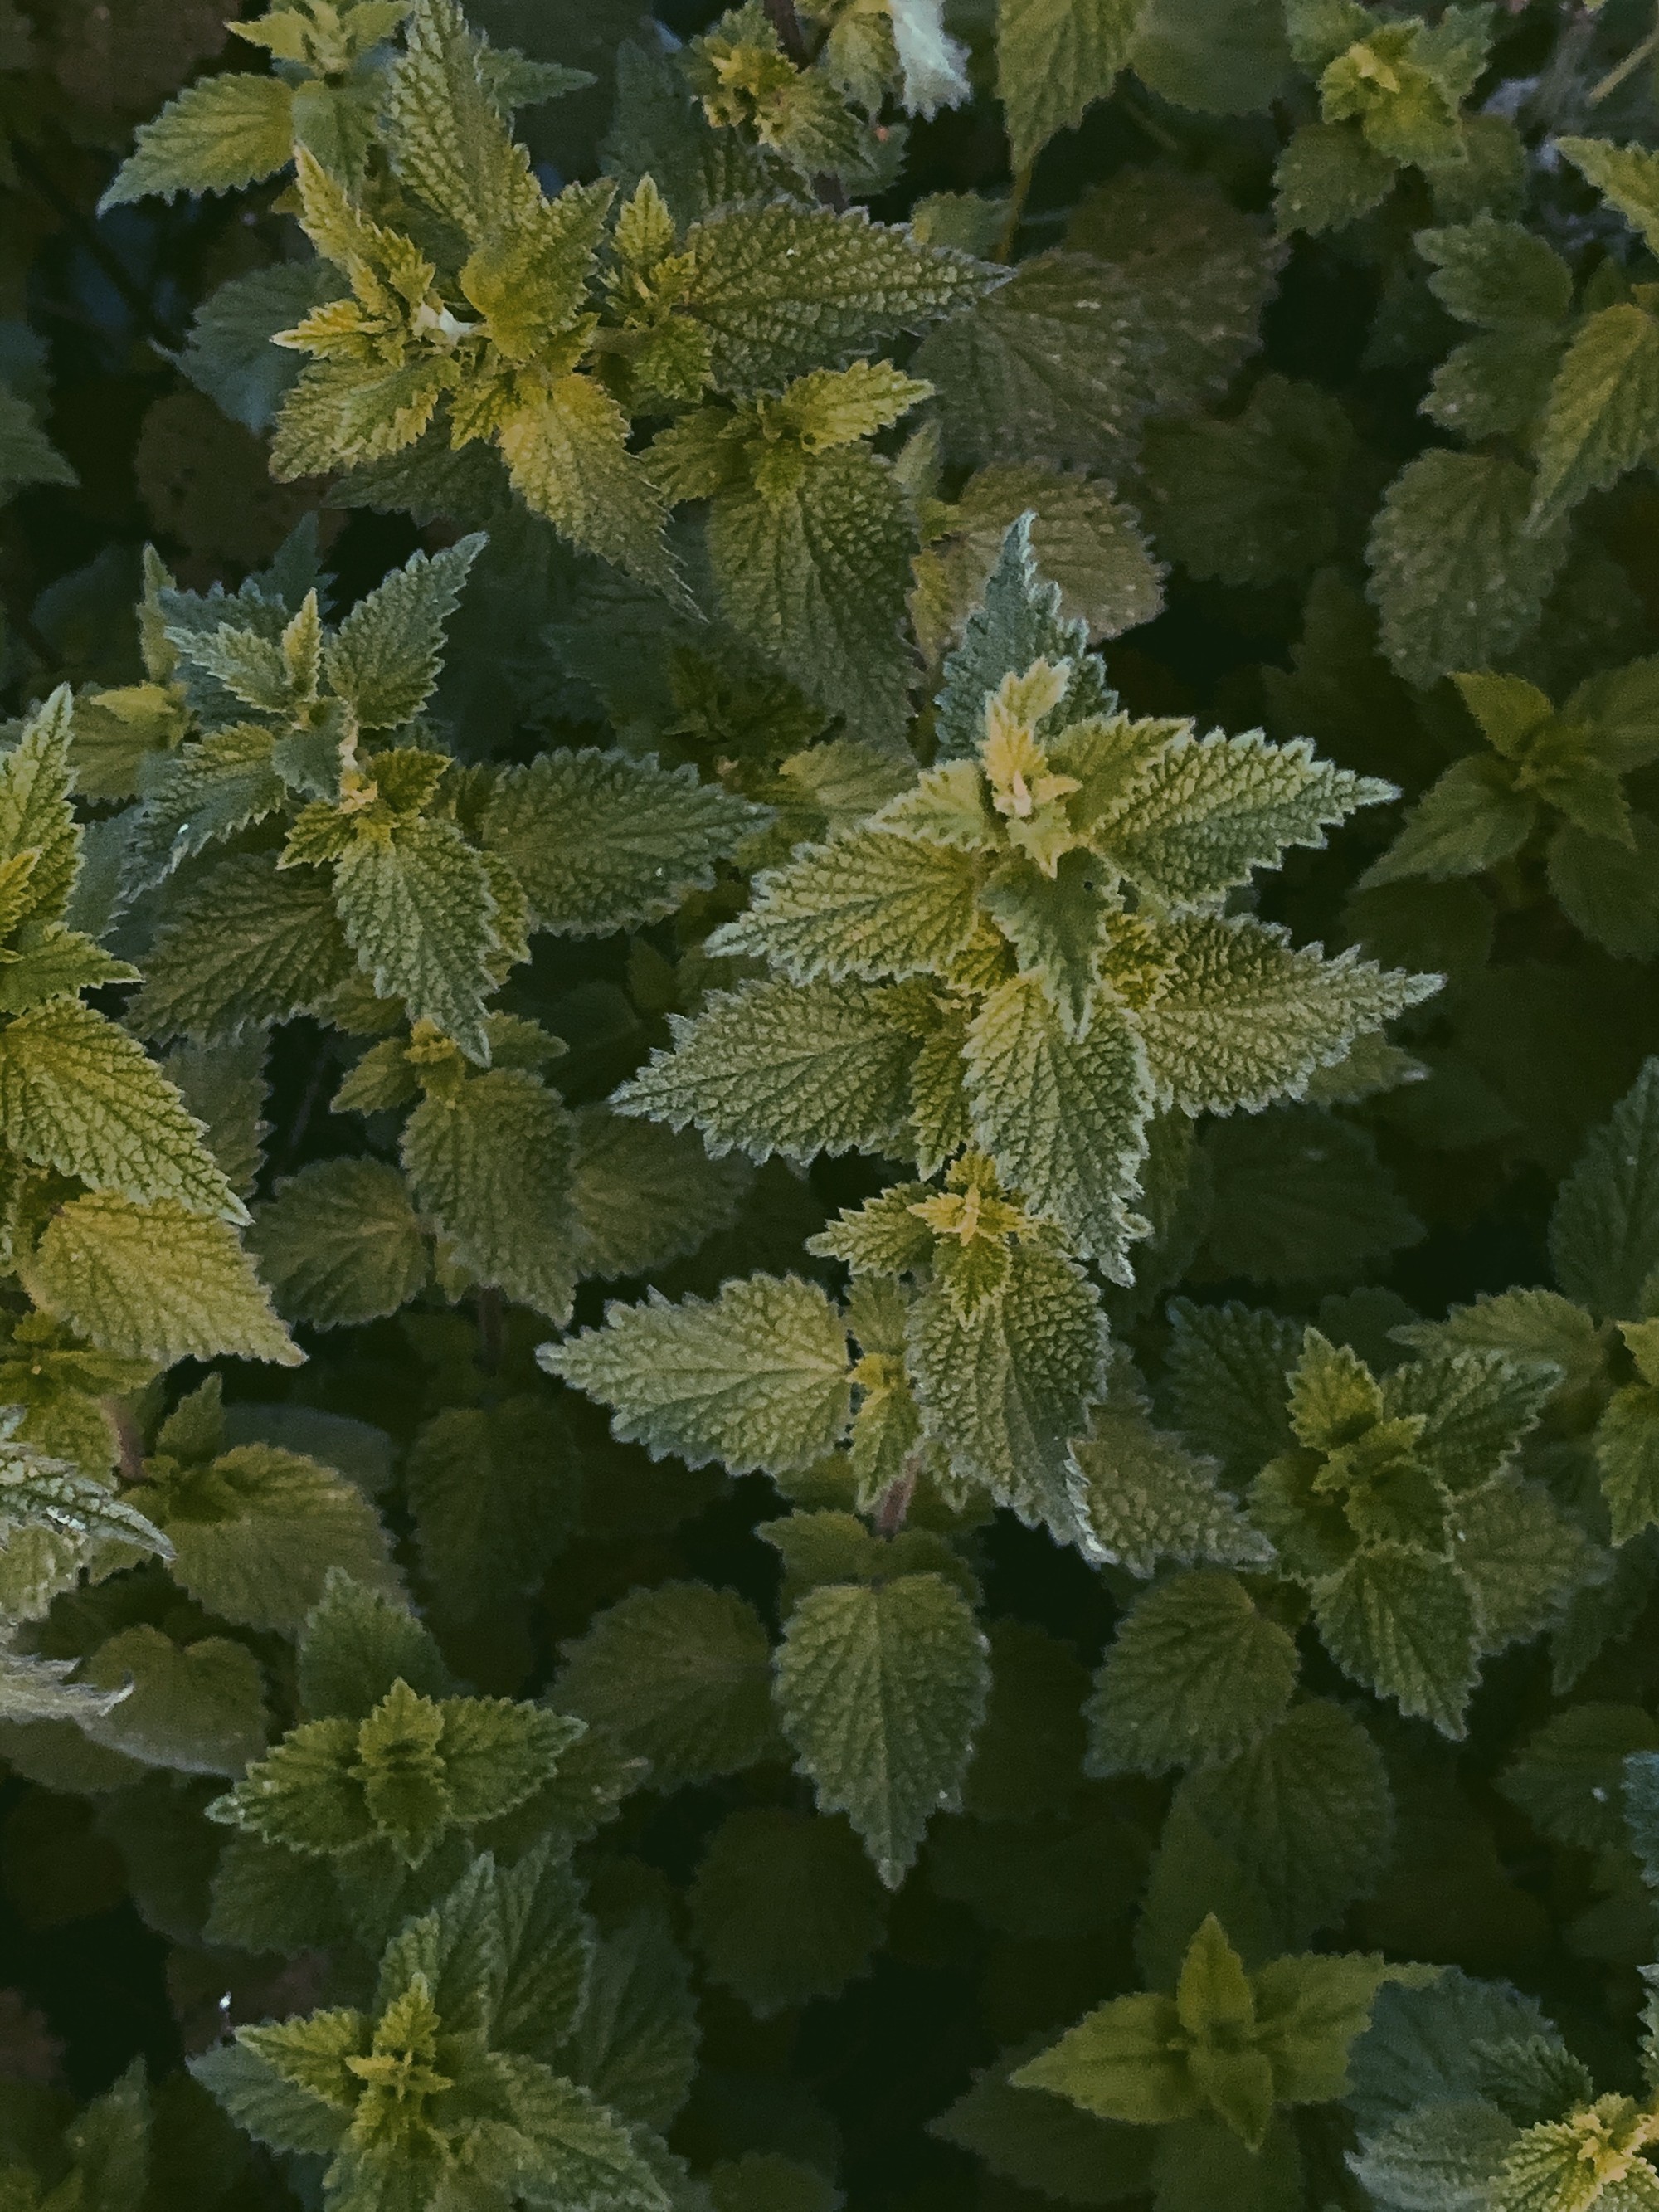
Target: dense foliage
829	1107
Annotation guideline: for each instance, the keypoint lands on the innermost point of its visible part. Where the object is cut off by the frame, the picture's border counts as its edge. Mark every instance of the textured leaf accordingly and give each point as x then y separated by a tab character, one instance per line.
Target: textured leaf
494	1493
1305	1812
603	841
867	905
28	456
635	2043
644	1195
1043	2143
384	658
1604	409
1053	61
1064	1118
567	454
492	1164
256	1539
785	1907
1140	1498
1208	813
198	1708
1040	369
1004	1389
216	136
1087	542
229	354
777	1068
782	289
1018	621
682	1676
218	785
1604	1233
1227	1382
1247	1016
1406	1625
1195	1673
1456	575
78	1095
1567	1777
758	1378
1470	819
417	909
814	578
339	1243
880	1691
153	1283
248	945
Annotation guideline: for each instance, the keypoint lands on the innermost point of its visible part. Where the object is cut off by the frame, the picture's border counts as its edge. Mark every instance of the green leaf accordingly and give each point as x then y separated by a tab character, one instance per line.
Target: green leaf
215	137
1305	1815
644	1195
1227	1382
1603	410
1053	61
1195	1673
1063	1117
785	1907
1087	542
1567	1778
229	354
357	1641
765	2181
255	1536
383	661
1521	1557
1328	176
777	1068
635	2043
418	910
1139	1498
868	904
815	576
198	1708
28	456
1606	889
1204	815
1043	366
758	1378
1033	2139
1492	273
1470	819
1457	575
1221	57
1405	1624
1475	1407
1627	1459
782	289
494	1492
77	1094
154	1282
1247	1016
492	1164
1124	2062
247	945
35	814
1003	1388
1018	621
1625	178
1604	1233
339	1243
214	786
606	840
880	1690
1309	2012
681	1675
567	454
1300	1196
1251	501
224	1087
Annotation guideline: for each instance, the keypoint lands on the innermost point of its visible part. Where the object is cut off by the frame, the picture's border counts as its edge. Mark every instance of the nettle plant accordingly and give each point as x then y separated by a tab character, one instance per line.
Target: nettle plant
815	1389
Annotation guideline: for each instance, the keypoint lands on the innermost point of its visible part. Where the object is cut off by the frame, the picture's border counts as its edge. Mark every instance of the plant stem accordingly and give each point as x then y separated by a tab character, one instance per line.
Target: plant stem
787	25
1017	201
1632	62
